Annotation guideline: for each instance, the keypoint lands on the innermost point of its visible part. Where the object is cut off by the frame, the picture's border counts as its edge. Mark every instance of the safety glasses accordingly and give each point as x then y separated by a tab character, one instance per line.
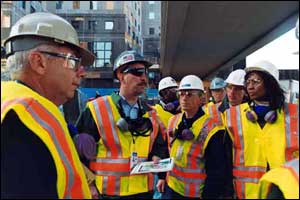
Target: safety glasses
135	71
74	62
255	82
188	93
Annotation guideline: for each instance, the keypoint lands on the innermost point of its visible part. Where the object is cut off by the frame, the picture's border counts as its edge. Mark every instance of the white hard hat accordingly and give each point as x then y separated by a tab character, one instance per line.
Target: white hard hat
236	77
41	27
264	66
166	82
191	82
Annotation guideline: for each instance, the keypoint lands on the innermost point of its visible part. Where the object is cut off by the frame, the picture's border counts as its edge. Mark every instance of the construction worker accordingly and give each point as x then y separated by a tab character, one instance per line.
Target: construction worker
282	182
38	157
217	88
166	108
235	90
197	147
126	131
168	104
264	132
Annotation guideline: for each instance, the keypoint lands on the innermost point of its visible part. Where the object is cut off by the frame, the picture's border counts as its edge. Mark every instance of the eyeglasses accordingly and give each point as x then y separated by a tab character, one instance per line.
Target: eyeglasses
74	62
254	82
135	71
188	93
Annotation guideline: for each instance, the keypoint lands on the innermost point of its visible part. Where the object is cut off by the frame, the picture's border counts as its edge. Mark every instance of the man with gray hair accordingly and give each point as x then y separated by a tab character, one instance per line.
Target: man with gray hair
38	157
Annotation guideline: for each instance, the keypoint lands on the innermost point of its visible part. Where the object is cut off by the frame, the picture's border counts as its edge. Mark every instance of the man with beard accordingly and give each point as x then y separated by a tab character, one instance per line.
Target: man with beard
126	130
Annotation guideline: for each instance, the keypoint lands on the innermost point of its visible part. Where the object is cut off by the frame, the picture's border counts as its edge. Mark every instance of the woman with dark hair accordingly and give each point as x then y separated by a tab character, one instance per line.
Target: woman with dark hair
264	131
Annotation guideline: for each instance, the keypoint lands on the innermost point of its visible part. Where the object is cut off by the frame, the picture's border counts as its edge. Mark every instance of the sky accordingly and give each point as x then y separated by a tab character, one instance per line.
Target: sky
280	52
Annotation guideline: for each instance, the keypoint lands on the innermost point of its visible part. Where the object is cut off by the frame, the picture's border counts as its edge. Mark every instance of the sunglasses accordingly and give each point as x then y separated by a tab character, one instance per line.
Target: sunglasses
188	93
135	71
74	62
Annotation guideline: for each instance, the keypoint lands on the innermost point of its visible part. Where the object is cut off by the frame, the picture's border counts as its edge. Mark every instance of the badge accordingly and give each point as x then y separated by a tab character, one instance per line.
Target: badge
133	159
179	152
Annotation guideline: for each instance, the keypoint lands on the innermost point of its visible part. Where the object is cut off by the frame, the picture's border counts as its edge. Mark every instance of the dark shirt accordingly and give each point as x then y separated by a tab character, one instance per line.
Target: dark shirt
86	124
216	168
27	167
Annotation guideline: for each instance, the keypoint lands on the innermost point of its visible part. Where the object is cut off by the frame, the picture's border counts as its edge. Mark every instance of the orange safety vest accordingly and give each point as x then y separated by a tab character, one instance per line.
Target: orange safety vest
112	165
188	175
286	178
44	119
212	110
255	147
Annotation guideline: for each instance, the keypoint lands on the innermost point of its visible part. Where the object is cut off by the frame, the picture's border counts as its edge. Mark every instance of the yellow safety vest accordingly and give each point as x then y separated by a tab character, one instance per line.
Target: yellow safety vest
254	147
163	115
286	178
44	119
212	110
112	165
188	175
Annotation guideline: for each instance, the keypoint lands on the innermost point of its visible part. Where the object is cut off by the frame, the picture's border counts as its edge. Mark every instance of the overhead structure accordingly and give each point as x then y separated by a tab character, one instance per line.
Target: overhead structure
202	37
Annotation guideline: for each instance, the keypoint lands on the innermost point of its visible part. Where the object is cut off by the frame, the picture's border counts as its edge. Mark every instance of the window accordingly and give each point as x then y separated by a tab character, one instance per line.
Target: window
135	6
24	5
151	15
93	5
139	28
151	2
128	29
151	31
135	24
76	4
133	35
75	24
59	4
92	25
109	5
102	51
5	20
139	12
109	25
32	9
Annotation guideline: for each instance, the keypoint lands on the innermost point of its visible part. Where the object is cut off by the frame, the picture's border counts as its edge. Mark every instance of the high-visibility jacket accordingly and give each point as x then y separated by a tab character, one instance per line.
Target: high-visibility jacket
286	178
44	119
212	110
112	165
254	147
188	174
163	114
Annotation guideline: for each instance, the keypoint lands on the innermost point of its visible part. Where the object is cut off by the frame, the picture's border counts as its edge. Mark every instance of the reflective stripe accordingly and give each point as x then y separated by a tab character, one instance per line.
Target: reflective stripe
234	124
99	124
214	113
113	126
187	180
153	135
293	165
248	174
291	112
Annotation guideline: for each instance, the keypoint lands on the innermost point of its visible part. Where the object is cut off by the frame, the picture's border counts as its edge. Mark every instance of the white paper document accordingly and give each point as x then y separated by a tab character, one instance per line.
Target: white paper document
164	165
